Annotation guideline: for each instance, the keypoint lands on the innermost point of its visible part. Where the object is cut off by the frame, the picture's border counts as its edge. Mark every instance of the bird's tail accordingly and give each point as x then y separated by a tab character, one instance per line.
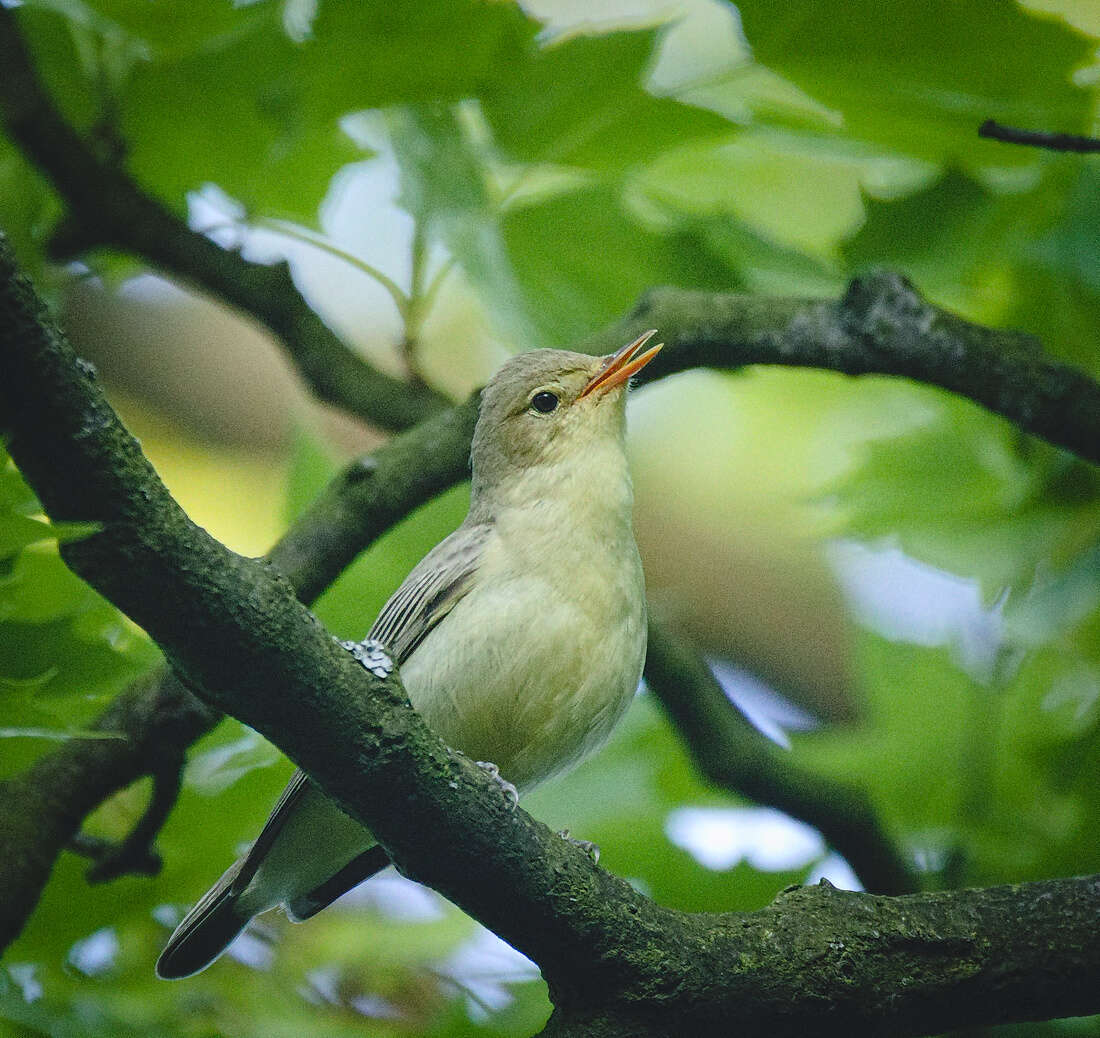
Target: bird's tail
206	931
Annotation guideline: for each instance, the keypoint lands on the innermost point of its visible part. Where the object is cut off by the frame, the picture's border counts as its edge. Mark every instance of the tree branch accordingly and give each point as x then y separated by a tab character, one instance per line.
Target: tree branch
136	854
881	326
41	811
817	962
105	207
721	330
1038	138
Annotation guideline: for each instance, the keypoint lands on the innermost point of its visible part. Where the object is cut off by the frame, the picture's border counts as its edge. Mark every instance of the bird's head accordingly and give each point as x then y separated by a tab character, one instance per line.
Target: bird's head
547	411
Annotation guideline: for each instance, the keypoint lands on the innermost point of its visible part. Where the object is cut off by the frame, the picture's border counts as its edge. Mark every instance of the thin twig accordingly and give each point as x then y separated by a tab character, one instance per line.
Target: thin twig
996	131
319	241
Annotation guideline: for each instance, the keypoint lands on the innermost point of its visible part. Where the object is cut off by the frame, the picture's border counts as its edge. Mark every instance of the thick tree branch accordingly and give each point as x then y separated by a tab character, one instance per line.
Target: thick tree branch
732	755
41	811
826	962
105	207
722	330
817	962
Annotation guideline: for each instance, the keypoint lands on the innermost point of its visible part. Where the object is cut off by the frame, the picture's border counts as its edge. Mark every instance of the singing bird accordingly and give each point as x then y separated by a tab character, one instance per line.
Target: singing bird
520	637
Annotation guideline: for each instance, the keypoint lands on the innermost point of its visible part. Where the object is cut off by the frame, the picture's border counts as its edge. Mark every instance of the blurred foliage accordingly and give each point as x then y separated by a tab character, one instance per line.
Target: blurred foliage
563	159
64	651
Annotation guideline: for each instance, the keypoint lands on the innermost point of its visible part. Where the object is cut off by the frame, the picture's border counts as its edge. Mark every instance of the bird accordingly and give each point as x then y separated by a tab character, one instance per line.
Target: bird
520	637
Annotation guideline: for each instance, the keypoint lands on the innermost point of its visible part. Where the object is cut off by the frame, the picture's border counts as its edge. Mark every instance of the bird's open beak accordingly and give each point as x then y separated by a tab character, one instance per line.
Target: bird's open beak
622	365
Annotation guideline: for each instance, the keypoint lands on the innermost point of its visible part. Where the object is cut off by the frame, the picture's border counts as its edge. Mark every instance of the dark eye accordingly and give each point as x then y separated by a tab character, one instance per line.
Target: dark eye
544	401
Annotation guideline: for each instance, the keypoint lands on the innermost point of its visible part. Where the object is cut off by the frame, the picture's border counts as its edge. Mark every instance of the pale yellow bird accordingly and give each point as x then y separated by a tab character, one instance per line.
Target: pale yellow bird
520	637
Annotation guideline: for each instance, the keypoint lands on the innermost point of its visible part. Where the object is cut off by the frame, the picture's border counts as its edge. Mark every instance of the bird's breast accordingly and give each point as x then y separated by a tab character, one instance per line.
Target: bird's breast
532	668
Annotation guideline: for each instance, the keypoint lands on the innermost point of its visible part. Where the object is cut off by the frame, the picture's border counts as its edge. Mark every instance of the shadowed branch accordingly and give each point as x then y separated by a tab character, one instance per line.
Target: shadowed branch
733	755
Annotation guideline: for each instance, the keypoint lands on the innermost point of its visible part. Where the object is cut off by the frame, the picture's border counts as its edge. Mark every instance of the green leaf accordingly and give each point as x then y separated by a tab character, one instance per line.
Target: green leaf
18	532
443	189
974	253
760	265
213	770
63	649
21	523
349	606
231	75
961	491
1056	293
583	261
273	153
1070	249
921	78
312	466
27	210
1057	604
798	191
581	102
58	734
988	776
953	247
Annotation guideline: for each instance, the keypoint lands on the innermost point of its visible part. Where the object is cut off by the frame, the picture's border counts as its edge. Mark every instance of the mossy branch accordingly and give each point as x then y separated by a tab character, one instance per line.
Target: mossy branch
719	330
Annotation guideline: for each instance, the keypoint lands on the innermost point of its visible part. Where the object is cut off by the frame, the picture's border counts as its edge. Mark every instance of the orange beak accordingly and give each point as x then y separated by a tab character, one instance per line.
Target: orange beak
619	367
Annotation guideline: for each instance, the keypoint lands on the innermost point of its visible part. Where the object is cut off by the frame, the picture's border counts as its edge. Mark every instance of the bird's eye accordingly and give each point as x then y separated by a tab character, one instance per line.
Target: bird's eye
544	401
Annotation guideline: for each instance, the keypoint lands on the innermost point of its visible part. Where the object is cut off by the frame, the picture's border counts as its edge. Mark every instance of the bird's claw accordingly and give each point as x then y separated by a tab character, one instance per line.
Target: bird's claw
506	787
372	655
589	848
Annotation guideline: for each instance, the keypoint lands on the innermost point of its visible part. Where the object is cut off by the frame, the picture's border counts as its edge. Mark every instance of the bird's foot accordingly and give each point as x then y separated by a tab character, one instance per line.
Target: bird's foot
504	785
372	655
589	848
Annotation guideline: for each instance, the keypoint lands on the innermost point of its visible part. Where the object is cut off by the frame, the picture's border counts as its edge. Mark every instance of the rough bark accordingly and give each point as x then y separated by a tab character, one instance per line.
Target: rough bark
42	810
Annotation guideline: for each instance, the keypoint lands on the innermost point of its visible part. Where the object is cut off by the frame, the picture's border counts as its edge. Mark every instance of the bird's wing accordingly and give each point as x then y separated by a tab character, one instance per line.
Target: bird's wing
427	595
430	591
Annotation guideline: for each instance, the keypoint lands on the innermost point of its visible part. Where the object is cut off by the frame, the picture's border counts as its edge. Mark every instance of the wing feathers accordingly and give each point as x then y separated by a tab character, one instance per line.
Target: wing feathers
430	591
205	932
